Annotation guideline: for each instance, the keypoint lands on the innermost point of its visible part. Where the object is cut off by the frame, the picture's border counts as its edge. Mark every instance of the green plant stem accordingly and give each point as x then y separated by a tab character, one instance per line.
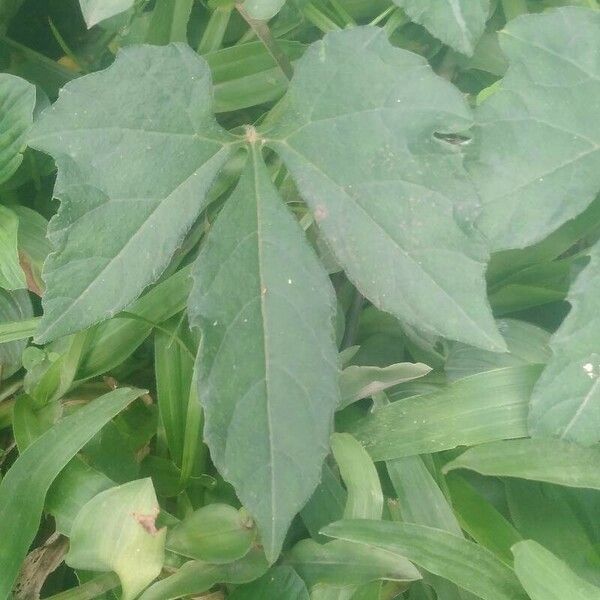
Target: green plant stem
342	13
353	320
91	589
264	34
319	19
212	38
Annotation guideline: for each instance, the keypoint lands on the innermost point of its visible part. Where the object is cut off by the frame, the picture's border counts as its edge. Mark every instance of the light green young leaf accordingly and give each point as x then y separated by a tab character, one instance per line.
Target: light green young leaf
566	399
116	531
263	9
95	11
277	584
341	563
553	461
23	489
365	498
362	381
465	563
17	101
546	577
360	141
536	161
11	274
196	576
267	366
135	162
458	23
482	408
215	533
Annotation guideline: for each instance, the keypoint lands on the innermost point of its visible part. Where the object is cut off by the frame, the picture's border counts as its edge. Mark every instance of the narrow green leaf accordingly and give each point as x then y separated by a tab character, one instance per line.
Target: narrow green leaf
546	577
470	566
11	274
536	162
116	531
169	21
458	23
195	577
566	400
267	367
17	101
95	11
480	519
420	499
23	489
141	176
340	563
277	584
478	409
359	141
216	533
553	461
365	498
358	382
173	365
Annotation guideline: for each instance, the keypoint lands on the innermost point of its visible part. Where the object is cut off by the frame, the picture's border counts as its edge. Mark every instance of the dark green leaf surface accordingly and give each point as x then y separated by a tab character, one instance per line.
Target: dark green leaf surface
566	399
465	563
458	23
358	139
24	488
137	177
276	584
482	408
554	461
536	161
267	366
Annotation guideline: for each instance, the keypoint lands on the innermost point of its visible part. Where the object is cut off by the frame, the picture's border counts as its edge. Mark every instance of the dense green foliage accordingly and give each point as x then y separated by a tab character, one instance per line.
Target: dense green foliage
299	299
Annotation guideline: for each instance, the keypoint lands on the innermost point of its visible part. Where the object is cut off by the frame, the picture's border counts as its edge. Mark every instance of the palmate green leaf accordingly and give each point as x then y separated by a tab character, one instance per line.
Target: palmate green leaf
465	563
482	408
546	577
137	148
95	11
23	489
553	461
359	139
116	531
566	399
536	161
458	23
17	101
267	365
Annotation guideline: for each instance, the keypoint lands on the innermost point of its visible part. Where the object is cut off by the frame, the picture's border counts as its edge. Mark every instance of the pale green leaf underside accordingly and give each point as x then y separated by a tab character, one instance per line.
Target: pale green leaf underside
546	577
263	9
267	372
458	23
549	460
356	130
17	101
95	11
463	562
566	399
536	162
114	531
137	148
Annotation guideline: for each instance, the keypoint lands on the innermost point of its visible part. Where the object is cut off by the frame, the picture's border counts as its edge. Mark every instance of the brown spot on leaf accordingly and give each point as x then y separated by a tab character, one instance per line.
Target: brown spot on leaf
148	522
320	213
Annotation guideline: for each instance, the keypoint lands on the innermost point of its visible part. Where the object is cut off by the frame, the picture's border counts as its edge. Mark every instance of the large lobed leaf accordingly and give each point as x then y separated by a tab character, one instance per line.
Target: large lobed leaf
458	23
137	148
357	131
536	162
566	399
267	366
